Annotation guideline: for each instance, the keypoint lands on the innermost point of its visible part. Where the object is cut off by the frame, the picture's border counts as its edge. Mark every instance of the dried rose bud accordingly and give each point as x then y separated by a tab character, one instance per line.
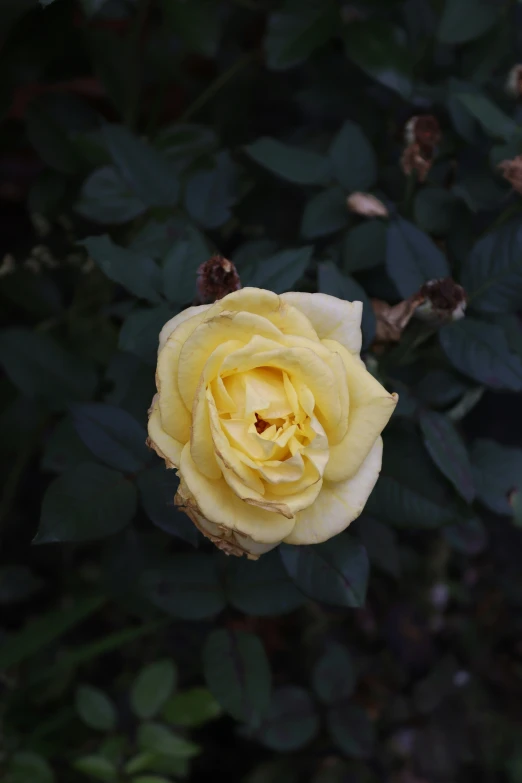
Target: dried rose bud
512	171
217	277
413	160
444	300
367	205
423	130
513	85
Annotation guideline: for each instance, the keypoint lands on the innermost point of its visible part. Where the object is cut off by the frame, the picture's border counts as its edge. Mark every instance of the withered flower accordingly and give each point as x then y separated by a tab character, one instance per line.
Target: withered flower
391	320
217	277
413	160
444	301
513	84
423	130
512	171
367	205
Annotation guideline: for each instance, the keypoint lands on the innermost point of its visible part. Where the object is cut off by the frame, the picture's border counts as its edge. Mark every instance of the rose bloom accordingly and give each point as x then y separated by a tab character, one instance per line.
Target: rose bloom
269	414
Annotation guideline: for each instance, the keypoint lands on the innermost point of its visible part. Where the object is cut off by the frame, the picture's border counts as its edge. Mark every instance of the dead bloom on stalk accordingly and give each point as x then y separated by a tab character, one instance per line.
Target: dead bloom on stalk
391	320
366	205
512	171
422	135
437	302
217	277
514	82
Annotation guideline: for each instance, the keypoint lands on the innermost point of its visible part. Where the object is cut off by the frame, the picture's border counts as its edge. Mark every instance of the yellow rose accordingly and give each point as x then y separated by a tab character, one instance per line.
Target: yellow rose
270	416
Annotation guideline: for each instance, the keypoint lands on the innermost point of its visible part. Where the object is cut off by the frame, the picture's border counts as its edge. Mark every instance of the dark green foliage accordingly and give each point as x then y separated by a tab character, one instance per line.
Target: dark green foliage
137	139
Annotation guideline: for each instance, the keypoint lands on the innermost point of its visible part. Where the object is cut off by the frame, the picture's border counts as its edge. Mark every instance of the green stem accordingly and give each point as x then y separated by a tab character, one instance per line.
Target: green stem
217	84
135	71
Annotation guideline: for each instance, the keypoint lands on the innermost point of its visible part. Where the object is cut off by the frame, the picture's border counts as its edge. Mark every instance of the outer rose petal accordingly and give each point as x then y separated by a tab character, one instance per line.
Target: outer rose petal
169	327
370	409
229	541
338	503
332	318
217	503
165	447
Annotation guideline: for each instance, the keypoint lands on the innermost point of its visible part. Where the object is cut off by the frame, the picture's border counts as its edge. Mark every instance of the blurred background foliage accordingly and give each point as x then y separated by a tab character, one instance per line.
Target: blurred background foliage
137	138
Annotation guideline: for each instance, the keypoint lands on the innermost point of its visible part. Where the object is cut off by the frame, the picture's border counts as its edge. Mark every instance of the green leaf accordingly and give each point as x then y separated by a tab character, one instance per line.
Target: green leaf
291	721
157	487
492	273
159	739
435	210
97	767
86	503
197	23
112	435
150	779
105	198
333	675
380	542
482	351
140	332
39	633
353	159
17	583
464	20
181	264
432	690
335	572
95	709
262	587
185	142
281	271
238	674
492	119
325	213
412	258
41	368
333	282
373	45
192	708
152	688
210	193
497	471
295	31
136	273
448	452
49	139
364	246
469	536
410	491
29	767
351	730
147	172
300	166
188	587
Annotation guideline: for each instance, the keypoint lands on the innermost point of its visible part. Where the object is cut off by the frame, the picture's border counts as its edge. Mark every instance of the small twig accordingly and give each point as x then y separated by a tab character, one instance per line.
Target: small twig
217	84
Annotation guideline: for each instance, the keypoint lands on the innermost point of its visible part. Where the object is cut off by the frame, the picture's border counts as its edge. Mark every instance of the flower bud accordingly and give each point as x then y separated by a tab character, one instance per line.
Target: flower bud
512	171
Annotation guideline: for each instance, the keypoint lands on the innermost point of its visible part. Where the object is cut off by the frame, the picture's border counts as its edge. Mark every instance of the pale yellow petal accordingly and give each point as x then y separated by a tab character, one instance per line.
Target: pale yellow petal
218	503
205	338
201	443
370	409
175	415
332	318
303	366
166	447
338	503
289	319
169	327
